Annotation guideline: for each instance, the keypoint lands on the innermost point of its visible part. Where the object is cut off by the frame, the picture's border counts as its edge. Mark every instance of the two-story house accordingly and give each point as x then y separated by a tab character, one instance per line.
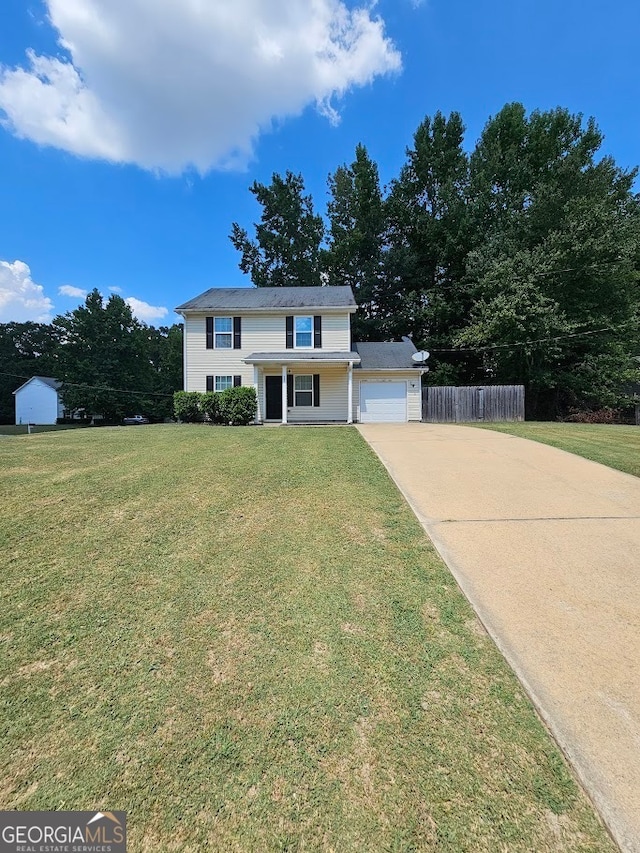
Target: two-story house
293	345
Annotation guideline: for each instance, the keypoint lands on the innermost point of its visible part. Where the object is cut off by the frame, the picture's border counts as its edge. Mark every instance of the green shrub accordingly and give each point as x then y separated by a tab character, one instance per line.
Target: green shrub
187	406
237	406
210	405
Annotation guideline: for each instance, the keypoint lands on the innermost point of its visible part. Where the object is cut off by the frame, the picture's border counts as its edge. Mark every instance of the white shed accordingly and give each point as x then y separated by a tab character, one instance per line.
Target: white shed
38	401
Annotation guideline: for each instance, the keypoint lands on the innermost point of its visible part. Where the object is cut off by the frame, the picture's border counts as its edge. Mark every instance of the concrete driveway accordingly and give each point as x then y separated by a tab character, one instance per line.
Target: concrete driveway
546	547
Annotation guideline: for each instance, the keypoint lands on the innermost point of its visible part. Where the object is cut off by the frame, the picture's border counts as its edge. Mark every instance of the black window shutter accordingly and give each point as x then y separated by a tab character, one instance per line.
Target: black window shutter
209	332
289	332
237	342
317	332
289	390
316	389
237	381
209	383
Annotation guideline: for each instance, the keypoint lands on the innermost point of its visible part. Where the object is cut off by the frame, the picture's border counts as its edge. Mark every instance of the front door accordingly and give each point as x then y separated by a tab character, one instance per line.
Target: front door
273	390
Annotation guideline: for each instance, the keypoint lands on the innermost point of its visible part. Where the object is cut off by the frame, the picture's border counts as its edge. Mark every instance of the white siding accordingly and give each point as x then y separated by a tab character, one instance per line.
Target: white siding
333	394
260	333
202	362
414	398
37	403
414	390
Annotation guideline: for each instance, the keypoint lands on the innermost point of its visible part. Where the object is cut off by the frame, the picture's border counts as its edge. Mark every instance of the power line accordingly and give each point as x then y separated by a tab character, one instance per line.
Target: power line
435	288
96	387
490	347
574	269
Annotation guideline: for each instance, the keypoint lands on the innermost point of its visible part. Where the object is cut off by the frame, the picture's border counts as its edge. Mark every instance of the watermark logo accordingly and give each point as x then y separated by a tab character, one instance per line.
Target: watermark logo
63	832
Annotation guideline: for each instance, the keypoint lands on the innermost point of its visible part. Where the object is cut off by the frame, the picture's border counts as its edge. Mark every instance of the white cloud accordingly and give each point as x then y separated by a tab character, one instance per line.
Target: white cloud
145	312
115	289
172	84
69	290
21	299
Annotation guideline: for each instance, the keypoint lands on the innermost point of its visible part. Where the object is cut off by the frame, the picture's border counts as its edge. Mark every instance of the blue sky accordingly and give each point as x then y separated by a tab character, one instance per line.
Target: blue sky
132	130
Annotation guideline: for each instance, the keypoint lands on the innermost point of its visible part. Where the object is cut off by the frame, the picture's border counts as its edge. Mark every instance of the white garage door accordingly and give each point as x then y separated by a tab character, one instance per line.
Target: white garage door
383	402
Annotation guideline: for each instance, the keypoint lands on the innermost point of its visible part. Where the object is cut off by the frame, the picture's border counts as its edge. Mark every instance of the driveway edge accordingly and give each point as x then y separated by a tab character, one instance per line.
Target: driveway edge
582	770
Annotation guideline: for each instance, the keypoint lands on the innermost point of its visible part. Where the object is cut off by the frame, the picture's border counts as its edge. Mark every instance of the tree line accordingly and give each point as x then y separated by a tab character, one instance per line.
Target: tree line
516	262
109	362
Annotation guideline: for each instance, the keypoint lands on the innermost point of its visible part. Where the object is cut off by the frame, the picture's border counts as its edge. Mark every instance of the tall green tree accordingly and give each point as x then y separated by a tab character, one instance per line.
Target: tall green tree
556	243
103	359
26	350
523	257
164	347
286	248
357	226
429	235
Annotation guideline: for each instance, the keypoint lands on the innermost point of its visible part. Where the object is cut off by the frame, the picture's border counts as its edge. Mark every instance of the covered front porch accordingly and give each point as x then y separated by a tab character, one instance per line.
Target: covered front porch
304	387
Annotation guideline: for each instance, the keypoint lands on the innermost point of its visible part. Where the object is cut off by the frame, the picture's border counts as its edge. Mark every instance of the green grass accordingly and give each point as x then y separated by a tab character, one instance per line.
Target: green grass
243	639
615	446
22	429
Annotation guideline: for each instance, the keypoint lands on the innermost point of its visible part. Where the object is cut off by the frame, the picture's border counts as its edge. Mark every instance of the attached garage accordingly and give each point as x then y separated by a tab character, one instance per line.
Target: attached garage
387	383
383	402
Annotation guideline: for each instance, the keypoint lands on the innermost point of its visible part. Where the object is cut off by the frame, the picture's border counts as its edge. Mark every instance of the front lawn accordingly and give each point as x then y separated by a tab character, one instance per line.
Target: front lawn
242	638
23	429
612	445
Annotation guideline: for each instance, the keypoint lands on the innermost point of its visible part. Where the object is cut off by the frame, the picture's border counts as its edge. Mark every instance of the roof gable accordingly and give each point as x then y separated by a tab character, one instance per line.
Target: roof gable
264	298
46	380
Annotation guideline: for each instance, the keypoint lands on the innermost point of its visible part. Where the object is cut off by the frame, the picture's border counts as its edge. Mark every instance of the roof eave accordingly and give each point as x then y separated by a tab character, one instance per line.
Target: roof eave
409	368
306	309
298	360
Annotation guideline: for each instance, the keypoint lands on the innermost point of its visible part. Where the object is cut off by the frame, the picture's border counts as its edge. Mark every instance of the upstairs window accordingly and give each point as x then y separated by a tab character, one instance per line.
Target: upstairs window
303	327
223	329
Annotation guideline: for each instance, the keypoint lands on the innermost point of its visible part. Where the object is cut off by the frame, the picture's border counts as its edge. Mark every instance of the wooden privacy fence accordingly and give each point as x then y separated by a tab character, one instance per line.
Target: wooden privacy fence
450	405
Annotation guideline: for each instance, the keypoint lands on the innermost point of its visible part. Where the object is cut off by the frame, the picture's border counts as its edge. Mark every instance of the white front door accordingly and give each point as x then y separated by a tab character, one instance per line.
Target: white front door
383	402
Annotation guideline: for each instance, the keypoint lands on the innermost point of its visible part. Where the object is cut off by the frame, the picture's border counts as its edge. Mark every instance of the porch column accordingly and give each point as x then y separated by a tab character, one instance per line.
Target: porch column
256	382
284	393
350	392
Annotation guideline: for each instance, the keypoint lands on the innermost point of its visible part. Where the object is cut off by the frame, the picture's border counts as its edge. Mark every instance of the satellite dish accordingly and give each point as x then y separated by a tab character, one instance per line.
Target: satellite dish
420	357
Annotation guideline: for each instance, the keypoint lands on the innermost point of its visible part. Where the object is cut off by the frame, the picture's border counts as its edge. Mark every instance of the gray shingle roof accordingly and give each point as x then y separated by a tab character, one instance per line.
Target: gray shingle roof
376	355
238	298
48	380
291	355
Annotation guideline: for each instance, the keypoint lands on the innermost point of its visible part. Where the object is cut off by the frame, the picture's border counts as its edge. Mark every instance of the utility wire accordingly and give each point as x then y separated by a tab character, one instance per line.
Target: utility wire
488	348
96	387
465	287
536	341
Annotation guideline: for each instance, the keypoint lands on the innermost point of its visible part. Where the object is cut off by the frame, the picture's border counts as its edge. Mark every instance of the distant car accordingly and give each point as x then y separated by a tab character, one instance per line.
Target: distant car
136	419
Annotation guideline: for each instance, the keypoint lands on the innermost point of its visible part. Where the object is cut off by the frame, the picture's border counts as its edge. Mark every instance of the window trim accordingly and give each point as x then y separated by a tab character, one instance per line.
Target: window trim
215	383
296	345
297	391
228	334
